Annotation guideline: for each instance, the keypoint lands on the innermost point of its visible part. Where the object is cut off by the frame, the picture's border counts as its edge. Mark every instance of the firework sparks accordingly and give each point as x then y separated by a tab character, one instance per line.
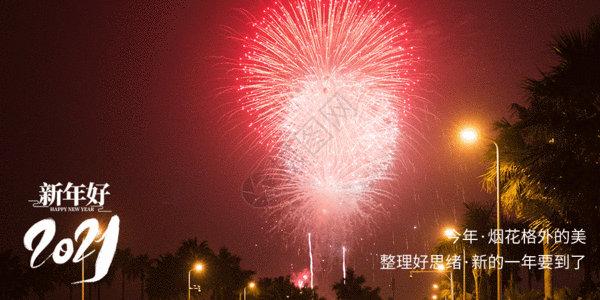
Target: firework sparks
311	262
301	279
344	263
327	85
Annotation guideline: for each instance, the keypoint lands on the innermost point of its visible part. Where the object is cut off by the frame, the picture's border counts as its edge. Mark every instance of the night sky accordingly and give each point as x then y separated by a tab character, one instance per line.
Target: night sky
136	94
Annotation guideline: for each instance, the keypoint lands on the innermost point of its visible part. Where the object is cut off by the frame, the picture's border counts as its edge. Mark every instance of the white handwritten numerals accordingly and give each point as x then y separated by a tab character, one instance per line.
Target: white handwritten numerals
64	249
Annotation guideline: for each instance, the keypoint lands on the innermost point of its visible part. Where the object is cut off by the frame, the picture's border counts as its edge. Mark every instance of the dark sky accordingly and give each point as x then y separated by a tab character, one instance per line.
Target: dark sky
128	93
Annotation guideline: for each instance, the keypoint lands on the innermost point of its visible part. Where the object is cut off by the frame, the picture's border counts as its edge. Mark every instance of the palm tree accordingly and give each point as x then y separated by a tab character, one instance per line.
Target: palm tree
222	276
230	278
13	280
66	274
554	145
106	280
164	280
522	193
446	292
142	265
570	93
351	288
124	261
515	252
42	279
282	288
479	218
192	252
447	246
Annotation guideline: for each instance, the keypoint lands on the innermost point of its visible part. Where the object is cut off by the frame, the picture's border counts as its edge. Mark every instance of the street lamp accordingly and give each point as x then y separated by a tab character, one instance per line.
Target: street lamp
82	276
435	286
198	267
440	269
470	135
251	285
451	233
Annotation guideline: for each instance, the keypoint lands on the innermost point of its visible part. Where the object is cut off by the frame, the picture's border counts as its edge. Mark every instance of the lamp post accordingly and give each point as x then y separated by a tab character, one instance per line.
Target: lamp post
441	269
251	285
435	286
450	233
198	267
82	277
471	135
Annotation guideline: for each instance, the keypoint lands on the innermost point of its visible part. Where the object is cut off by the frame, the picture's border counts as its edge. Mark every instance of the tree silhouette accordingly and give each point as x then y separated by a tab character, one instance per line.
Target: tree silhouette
191	253
230	278
142	265
550	156
282	288
66	274
13	281
221	276
164	281
124	261
42	279
351	288
107	280
478	217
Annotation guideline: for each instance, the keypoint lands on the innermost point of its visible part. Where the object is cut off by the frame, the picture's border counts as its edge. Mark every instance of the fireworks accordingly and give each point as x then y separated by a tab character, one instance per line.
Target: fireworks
326	83
302	279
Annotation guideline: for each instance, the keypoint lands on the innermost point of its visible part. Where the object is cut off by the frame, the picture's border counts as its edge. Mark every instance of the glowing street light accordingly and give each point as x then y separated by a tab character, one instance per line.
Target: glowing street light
250	285
197	267
435	286
440	269
450	233
470	135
